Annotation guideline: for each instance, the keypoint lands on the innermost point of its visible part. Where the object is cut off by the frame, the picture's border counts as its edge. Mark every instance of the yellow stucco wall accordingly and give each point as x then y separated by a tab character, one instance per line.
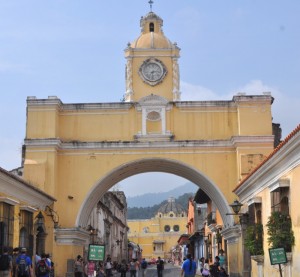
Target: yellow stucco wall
156	233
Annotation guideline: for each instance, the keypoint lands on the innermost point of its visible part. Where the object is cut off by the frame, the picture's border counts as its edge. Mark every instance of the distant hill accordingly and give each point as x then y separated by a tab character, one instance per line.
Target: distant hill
151	199
149	212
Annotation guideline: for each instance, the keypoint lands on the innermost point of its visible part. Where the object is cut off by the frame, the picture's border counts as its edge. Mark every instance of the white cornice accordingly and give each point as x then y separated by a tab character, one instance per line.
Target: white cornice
72	145
281	183
201	104
71	236
9	201
28	208
231	234
97	106
51	101
240	140
254	200
253	98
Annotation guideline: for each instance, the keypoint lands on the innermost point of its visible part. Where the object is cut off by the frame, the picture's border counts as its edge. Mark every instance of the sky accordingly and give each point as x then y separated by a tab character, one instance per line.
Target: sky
75	50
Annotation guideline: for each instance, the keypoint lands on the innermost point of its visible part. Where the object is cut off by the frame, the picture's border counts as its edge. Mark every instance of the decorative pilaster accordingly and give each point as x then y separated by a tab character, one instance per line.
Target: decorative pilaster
259	259
244	220
128	77
176	85
289	256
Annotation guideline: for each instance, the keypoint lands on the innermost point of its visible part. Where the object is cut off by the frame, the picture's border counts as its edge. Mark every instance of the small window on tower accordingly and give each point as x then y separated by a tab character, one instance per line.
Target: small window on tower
151	27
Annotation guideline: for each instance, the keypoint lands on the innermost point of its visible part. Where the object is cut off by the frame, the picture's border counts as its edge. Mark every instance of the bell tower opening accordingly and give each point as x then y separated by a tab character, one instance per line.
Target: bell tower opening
151	27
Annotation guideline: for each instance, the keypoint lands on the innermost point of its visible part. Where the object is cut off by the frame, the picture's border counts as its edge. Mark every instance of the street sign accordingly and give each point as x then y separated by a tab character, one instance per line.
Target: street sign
277	256
96	252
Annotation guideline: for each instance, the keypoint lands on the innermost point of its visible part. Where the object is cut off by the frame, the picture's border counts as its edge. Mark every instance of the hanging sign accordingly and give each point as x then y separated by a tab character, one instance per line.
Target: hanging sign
96	252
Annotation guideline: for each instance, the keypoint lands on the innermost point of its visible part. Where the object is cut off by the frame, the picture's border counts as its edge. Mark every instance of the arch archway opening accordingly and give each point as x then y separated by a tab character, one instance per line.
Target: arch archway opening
154	165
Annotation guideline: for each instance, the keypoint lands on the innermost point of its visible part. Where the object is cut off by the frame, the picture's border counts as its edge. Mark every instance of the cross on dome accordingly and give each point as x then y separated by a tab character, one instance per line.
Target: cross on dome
150	3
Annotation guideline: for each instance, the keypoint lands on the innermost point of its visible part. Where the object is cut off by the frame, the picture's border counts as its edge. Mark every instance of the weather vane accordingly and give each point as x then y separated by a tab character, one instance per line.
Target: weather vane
150	3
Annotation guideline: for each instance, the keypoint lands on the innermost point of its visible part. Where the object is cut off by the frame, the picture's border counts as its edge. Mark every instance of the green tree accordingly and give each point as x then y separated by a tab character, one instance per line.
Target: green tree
149	212
254	239
280	231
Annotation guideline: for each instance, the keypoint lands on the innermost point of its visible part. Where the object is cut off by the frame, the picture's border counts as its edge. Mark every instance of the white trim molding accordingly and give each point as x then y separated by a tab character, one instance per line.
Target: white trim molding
281	183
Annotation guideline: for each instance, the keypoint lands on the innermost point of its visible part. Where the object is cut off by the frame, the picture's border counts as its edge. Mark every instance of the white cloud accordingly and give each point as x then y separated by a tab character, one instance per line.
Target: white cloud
256	87
192	92
285	109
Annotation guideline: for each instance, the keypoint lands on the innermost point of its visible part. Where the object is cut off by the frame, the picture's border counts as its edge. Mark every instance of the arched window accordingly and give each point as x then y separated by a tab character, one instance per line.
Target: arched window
151	27
258	216
26	230
284	205
23	239
6	224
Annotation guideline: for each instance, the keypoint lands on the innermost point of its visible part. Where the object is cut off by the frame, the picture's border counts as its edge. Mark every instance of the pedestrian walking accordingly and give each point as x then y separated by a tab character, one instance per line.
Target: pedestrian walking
201	264
14	261
160	267
144	266
123	268
108	266
24	264
89	269
78	267
205	271
5	263
43	267
189	266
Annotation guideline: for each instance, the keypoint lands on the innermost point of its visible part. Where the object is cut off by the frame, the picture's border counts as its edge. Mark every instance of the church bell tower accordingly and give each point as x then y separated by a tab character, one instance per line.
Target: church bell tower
152	63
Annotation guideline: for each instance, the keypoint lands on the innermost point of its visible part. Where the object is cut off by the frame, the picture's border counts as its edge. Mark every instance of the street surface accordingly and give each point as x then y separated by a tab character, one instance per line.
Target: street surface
169	271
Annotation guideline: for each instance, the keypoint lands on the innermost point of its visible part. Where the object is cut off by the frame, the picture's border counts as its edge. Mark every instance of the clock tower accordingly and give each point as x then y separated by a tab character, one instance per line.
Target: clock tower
152	63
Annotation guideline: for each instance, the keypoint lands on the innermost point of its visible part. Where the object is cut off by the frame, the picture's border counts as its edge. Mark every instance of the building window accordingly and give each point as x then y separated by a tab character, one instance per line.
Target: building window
176	228
6	224
255	213
153	116
26	230
167	228
280	200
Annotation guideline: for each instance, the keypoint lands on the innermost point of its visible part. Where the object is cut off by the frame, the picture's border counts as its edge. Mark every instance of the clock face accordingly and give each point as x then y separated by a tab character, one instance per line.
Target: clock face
152	71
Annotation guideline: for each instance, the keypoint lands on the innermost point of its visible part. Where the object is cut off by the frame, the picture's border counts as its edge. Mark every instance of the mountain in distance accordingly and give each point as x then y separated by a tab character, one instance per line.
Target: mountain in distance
154	198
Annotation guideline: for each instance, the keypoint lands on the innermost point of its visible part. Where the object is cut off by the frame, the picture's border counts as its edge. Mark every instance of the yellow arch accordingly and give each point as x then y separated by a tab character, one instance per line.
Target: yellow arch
153	165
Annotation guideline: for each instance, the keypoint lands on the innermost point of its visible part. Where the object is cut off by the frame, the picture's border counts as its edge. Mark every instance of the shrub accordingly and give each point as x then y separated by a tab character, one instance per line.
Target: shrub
280	231
254	239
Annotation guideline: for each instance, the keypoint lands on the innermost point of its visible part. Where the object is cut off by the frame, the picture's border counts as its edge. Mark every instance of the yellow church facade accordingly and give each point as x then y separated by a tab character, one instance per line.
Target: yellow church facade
76	152
158	236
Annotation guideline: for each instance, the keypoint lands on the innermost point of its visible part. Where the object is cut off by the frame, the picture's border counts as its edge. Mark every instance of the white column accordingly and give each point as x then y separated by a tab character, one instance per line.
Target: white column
144	118
163	121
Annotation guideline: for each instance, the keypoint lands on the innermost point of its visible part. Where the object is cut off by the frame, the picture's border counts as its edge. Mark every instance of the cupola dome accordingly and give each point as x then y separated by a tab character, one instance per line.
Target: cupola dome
171	209
152	35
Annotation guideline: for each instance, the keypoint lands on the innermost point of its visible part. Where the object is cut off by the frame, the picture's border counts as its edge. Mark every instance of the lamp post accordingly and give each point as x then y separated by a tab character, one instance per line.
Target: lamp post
236	206
244	218
93	234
